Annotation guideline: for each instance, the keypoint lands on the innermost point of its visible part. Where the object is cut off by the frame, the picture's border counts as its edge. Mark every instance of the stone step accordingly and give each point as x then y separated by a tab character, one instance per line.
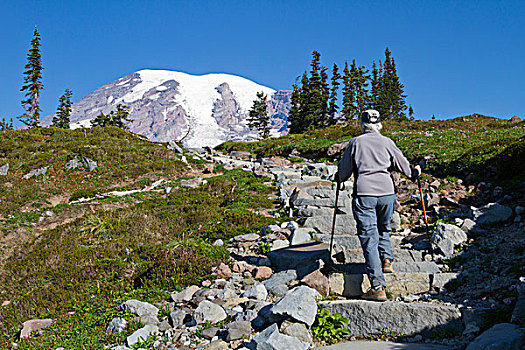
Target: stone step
368	317
382	345
350	241
344	224
352	256
355	285
302	257
399	266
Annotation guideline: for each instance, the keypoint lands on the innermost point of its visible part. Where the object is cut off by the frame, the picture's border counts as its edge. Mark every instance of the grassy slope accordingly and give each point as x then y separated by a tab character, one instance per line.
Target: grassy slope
455	147
157	243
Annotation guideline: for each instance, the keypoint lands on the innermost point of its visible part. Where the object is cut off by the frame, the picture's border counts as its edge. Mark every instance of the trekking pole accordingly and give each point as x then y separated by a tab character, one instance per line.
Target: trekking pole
424	215
333	225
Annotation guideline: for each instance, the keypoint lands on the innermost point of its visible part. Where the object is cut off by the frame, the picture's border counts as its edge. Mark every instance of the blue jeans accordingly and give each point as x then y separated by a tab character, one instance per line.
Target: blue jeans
373	216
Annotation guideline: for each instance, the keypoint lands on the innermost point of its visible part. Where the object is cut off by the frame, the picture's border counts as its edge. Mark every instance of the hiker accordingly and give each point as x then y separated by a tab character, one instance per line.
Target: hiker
370	157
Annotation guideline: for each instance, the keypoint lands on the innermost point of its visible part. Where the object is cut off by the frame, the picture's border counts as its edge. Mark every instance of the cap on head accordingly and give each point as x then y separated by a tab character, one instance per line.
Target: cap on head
370	116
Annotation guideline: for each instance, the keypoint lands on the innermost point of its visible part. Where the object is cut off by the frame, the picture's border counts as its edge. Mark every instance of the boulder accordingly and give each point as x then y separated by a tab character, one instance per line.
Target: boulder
492	213
395	223
503	336
297	330
300	235
446	237
317	281
139	308
277	284
249	237
176	318
271	339
224	271
344	224
208	312
172	146
36	172
142	334
257	292
4	169
116	325
299	304
237	330
262	272
215	345
184	296
34	325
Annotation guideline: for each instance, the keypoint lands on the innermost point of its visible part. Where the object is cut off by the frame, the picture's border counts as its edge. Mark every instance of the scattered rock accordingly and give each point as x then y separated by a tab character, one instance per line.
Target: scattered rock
271	339
250	237
257	292
176	318
277	284
211	332
36	172
224	271
192	183
502	336
208	312
4	169
139	308
172	145
215	345
300	235
492	213
185	295
116	325
142	334
446	237
317	281
237	330
297	330
336	149
299	304
262	272
34	325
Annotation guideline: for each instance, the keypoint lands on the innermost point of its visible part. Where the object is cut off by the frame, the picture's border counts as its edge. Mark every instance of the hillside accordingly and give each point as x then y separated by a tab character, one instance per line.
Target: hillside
146	221
167	105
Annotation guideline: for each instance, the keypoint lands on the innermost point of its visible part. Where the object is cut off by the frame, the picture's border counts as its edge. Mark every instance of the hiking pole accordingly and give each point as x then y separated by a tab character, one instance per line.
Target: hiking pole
424	215
333	226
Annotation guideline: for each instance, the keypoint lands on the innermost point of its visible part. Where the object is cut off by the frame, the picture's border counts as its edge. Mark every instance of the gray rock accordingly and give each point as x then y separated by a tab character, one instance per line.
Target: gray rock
467	225
297	330
258	292
172	145
446	237
503	336
74	164
237	330
211	332
271	339
518	315
4	169
218	242
277	284
116	325
91	164
395	224
139	308
310	211
208	312
344	224
176	318
280	243
248	315
215	345
185	295
492	213
121	347
410	319
302	257
142	334
345	241
250	237
300	235
299	304
164	326
440	279
36	172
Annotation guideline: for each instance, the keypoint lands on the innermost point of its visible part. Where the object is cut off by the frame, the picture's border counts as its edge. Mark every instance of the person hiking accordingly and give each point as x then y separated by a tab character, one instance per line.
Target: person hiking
370	157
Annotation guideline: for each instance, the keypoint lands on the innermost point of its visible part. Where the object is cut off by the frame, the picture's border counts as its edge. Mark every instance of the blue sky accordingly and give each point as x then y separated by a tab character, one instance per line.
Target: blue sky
454	57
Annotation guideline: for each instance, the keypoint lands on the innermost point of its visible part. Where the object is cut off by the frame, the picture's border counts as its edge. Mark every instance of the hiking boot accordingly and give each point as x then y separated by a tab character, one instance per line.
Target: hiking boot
375	294
387	266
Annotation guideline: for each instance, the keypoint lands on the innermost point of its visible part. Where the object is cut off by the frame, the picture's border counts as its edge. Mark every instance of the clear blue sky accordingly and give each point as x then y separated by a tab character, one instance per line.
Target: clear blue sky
454	57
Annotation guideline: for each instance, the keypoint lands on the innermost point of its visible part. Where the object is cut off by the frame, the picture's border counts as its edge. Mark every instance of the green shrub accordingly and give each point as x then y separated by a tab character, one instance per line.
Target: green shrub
328	328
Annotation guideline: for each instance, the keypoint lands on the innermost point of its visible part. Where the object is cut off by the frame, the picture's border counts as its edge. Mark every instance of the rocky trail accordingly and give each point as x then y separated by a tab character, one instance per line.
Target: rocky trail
446	293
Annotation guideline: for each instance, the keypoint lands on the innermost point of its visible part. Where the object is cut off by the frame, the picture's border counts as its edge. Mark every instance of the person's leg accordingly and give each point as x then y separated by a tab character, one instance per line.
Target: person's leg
384	210
364	209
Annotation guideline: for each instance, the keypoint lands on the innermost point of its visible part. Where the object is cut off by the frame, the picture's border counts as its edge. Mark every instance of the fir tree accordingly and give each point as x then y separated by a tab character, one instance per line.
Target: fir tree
61	119
411	114
101	120
362	98
323	119
348	97
315	93
294	116
392	97
374	87
332	105
259	118
32	83
119	117
6	125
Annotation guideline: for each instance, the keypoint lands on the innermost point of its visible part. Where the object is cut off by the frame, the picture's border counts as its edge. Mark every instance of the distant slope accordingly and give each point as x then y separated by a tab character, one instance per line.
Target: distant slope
166	105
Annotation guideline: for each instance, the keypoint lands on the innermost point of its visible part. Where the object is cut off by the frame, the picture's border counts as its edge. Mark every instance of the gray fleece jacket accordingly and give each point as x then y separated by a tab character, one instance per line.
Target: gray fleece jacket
371	157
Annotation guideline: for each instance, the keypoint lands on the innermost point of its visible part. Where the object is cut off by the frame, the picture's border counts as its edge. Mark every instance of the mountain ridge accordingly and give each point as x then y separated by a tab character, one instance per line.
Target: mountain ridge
166	105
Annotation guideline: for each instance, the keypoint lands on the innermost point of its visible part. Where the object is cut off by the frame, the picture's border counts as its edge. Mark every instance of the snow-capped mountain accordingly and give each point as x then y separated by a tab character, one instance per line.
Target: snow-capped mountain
167	105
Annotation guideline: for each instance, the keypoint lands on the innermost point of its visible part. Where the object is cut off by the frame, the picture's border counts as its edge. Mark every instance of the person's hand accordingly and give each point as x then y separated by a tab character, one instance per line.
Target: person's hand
416	172
336	177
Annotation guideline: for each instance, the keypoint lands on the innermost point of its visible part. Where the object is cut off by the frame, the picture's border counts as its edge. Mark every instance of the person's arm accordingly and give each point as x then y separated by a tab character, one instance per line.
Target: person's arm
401	164
345	166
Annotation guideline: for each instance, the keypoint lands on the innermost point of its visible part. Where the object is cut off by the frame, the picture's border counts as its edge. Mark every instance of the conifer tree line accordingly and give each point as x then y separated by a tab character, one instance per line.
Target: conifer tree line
315	99
116	118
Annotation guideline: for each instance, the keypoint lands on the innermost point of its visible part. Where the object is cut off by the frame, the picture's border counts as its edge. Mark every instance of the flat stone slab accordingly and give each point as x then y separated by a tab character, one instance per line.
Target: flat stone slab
345	241
368	317
399	267
355	285
298	256
382	345
344	224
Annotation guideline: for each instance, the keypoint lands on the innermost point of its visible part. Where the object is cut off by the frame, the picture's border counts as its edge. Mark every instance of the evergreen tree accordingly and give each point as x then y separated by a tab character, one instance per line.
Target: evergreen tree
315	93
332	106
61	118
433	117
32	83
374	87
101	120
392	97
411	114
348	97
259	118
6	125
294	116
323	119
362	98
119	117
